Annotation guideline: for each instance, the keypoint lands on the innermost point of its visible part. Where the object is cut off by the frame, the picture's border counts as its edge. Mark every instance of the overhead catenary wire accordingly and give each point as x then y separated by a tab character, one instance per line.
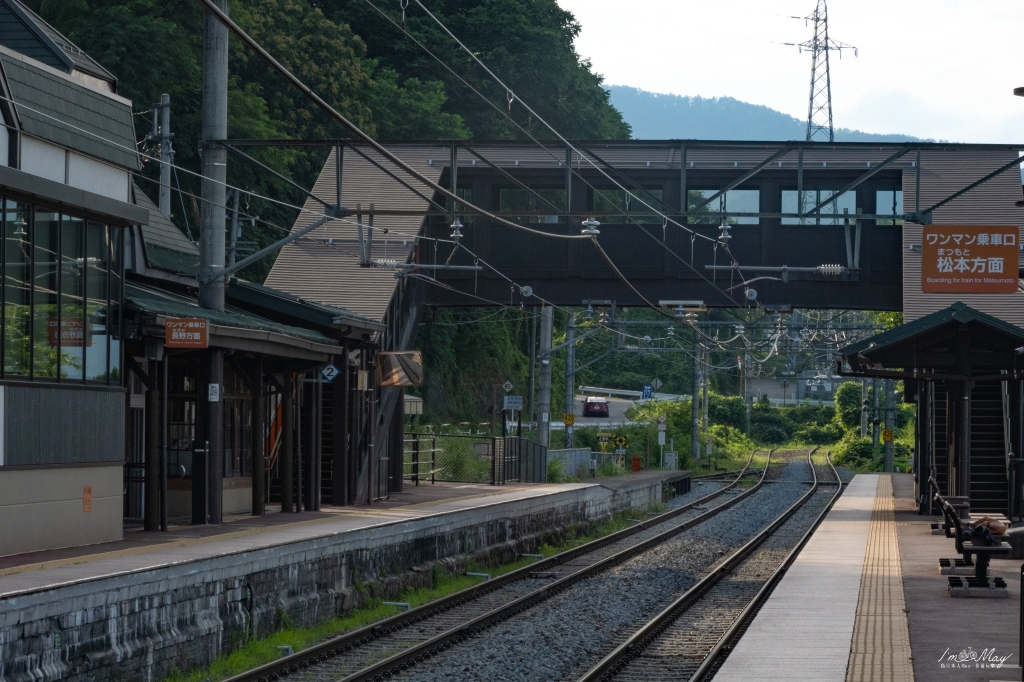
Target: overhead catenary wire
694	234
358	132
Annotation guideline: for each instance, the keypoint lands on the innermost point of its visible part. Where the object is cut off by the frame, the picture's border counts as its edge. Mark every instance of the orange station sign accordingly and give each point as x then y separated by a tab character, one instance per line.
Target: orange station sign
186	332
969	259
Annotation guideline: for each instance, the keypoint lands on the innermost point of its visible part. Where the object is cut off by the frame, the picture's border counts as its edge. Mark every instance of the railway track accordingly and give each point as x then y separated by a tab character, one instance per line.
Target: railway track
690	638
388	647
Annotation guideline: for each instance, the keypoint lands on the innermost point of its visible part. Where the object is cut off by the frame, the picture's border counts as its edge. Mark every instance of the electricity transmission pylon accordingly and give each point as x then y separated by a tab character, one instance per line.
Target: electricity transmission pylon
819	109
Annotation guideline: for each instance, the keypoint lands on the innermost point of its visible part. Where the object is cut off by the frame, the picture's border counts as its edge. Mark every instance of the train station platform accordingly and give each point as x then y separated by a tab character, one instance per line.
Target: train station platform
156	600
864	602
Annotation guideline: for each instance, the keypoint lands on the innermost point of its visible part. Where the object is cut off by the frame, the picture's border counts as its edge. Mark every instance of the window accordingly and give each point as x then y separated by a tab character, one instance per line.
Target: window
45	320
17	290
237	426
830	214
613	205
888	202
465	193
61	296
733	201
181	411
531	208
74	335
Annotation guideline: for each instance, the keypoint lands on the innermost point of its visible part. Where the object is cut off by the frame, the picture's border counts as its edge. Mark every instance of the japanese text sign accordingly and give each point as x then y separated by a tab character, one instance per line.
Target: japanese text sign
968	259
73	333
185	332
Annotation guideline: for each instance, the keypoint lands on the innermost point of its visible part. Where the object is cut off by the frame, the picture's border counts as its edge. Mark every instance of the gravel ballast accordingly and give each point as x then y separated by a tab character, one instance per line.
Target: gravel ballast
562	637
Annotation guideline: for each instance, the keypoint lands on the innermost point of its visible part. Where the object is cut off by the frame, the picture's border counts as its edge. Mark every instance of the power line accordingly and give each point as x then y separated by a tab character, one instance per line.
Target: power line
576	173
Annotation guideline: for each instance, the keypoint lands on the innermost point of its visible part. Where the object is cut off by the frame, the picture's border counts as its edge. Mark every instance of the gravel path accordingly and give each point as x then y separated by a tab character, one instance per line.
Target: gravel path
562	637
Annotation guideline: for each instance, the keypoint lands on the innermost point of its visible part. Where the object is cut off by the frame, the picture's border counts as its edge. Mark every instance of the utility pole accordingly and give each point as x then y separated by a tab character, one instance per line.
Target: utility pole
166	155
233	234
874	414
544	389
570	371
532	397
705	377
695	399
863	408
890	419
211	239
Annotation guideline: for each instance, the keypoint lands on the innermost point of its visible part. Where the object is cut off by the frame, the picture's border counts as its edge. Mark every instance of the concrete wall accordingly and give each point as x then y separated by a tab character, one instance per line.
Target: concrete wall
45	507
142	625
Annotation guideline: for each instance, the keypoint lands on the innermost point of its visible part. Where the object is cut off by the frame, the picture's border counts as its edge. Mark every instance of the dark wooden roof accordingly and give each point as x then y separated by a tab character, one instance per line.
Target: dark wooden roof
931	344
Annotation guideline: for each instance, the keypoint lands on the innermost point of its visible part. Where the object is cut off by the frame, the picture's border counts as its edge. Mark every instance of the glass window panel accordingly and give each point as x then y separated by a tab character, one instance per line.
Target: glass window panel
611	204
45	320
98	249
116	294
462	193
17	289
72	295
889	202
734	201
811	198
517	199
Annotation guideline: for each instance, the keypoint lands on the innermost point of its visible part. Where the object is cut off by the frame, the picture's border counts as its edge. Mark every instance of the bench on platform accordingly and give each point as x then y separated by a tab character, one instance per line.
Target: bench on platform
980	584
959	503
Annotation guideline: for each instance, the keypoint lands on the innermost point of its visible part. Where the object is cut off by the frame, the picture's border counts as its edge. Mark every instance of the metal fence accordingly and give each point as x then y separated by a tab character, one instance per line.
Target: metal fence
430	458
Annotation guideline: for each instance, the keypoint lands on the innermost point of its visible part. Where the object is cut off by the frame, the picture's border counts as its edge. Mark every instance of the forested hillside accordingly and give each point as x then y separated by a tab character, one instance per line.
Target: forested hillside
658	116
366	68
352	57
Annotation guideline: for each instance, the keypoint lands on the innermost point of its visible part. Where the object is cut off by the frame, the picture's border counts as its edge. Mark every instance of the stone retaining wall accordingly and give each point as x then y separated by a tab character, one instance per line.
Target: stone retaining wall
143	625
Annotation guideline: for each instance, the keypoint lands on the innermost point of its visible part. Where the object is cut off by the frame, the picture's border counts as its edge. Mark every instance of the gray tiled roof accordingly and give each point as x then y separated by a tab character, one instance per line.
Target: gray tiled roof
86	120
167	248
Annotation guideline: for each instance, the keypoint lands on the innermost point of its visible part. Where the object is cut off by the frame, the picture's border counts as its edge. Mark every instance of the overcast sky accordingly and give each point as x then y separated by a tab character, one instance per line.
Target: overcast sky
942	69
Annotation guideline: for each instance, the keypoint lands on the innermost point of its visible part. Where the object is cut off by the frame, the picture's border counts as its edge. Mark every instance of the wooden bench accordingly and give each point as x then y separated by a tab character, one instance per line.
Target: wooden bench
980	584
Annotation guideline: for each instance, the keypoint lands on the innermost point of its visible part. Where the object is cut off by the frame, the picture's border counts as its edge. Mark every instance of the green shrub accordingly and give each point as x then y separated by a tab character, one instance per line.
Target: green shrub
609	468
820	435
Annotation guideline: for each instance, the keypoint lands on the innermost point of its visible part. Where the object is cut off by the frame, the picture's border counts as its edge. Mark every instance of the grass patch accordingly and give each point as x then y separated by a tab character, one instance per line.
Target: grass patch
258	652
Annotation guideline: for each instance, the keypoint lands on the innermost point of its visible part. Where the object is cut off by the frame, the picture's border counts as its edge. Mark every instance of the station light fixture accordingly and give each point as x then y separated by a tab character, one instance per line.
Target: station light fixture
590	227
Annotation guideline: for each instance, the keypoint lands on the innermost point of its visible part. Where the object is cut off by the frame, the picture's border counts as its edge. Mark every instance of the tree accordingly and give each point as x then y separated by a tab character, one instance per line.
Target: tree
527	43
848	404
155	47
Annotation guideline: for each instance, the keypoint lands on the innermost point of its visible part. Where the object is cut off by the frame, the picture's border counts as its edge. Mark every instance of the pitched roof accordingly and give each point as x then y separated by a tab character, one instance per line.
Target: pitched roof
165	246
324	266
58	109
958	312
170	304
285	304
26	32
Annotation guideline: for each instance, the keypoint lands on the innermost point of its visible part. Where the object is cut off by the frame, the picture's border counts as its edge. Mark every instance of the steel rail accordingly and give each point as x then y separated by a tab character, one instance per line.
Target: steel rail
633	647
423	651
724	645
282	667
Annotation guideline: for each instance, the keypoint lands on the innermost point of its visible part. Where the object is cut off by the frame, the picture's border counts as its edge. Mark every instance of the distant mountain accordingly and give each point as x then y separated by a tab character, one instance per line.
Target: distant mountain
656	116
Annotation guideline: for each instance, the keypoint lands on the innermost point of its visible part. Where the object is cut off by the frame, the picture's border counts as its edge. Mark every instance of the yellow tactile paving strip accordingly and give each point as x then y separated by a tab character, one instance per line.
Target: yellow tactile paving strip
880	650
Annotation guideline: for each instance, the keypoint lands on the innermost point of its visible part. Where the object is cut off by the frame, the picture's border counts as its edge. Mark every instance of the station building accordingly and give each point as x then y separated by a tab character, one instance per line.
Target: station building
91	398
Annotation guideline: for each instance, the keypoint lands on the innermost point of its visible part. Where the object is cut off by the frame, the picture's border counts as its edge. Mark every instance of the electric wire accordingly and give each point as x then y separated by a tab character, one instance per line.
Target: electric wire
365	138
576	173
